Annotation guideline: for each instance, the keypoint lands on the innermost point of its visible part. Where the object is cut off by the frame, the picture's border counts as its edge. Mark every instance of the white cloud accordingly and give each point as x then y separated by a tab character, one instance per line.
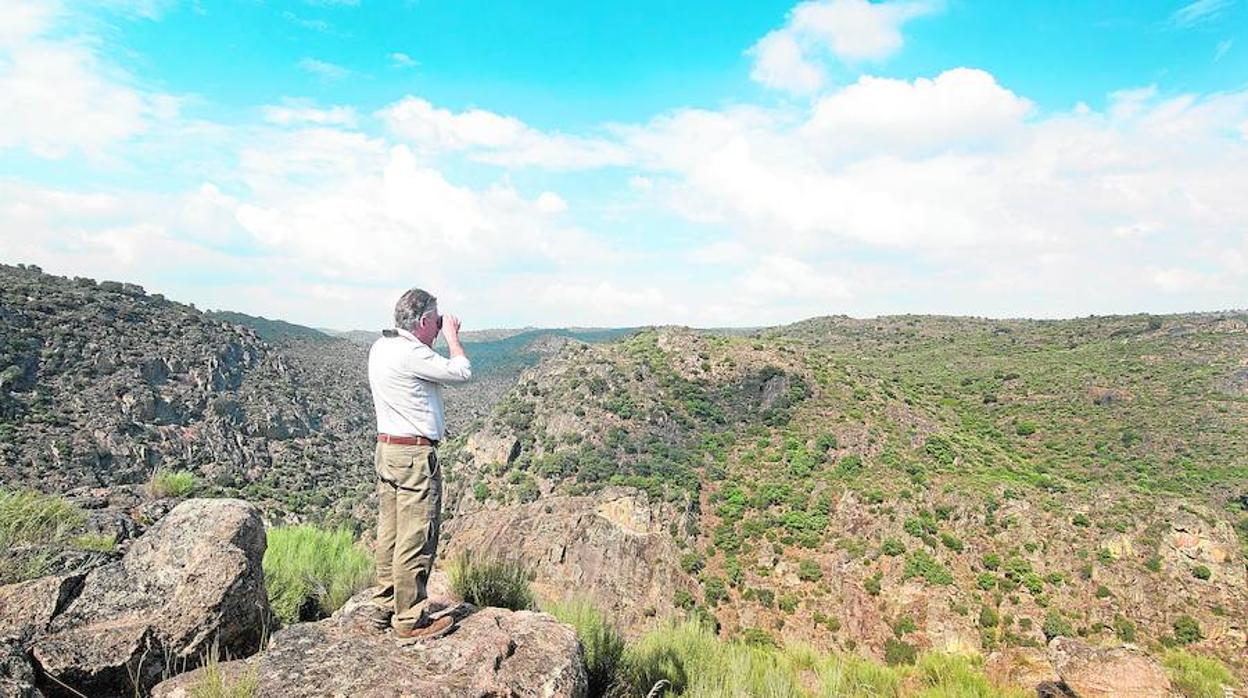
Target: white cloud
402	60
958	107
780	63
59	95
779	278
298	112
495	138
851	30
1223	46
1199	12
326	71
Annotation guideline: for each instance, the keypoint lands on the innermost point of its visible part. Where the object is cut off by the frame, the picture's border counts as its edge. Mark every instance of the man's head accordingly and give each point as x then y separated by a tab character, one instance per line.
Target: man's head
417	312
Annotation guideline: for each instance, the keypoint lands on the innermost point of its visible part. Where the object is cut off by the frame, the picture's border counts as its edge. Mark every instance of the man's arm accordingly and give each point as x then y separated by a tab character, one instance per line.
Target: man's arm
433	367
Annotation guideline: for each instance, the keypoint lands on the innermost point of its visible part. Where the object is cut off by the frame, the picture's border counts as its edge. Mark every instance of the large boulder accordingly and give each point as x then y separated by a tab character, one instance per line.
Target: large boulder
191	585
613	548
492	652
1020	667
1108	672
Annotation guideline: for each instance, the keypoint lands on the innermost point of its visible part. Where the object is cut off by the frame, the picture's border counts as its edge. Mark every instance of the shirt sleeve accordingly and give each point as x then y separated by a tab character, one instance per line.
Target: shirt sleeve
436	368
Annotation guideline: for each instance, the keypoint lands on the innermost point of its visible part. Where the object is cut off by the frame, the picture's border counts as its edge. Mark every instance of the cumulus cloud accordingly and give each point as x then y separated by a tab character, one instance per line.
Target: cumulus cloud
60	96
790	58
495	138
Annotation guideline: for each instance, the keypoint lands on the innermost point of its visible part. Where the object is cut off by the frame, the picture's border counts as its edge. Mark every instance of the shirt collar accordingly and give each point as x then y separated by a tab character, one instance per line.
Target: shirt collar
406	335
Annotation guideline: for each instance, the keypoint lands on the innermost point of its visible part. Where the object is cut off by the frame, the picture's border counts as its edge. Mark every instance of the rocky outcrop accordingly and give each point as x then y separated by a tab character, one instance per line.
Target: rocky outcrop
191	585
1108	672
492	652
613	548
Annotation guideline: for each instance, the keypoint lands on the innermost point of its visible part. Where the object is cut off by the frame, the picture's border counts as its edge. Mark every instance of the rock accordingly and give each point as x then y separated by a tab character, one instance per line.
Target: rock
493	652
1108	672
192	584
612	548
27	608
1020	667
17	676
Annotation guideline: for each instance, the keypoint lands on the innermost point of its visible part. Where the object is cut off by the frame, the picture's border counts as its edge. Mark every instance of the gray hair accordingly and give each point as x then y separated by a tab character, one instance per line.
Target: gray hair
411	307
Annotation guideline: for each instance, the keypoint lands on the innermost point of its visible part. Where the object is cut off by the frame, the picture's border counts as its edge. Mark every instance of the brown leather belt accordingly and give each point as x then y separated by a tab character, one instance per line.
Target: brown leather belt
406	440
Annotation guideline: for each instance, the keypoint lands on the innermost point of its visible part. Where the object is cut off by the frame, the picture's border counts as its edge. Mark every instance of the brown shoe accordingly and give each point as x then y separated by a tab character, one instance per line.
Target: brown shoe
435	629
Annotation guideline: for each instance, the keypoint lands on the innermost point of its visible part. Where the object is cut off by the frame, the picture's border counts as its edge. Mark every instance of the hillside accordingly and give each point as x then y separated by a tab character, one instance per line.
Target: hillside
104	385
878	486
892	484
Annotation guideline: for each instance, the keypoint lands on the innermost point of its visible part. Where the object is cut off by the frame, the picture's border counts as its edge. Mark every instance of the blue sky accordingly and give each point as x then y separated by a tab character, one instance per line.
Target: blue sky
703	163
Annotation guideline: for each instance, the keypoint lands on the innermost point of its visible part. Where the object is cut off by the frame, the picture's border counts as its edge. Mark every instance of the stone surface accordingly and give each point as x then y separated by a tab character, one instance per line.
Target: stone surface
191	584
1020	667
27	608
493	652
612	548
17	675
1108	672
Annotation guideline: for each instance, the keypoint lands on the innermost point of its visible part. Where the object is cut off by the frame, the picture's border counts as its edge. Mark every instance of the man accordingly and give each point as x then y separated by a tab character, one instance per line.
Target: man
406	377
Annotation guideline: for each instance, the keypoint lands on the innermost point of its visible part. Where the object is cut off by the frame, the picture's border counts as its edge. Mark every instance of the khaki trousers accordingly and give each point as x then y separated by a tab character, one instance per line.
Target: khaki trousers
409	504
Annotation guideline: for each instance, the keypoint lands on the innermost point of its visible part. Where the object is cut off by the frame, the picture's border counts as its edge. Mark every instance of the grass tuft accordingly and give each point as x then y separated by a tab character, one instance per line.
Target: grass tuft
171	483
602	642
491	582
32	527
310	572
1198	677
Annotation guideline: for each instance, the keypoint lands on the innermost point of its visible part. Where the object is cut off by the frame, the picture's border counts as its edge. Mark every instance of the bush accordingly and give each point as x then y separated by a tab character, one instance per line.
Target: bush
602	642
808	571
1025	428
171	483
491	582
1187	630
310	572
920	564
1055	625
892	547
1198	677
897	653
1201	572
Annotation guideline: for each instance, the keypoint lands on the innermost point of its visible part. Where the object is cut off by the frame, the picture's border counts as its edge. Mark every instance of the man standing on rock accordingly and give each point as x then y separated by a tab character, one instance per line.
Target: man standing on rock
406	377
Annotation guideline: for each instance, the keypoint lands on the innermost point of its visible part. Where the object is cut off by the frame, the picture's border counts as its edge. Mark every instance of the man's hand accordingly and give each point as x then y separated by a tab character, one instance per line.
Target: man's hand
450	327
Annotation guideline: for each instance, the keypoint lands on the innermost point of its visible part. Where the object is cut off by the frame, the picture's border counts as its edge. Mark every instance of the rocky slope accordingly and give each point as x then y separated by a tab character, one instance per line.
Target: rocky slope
102	384
888	485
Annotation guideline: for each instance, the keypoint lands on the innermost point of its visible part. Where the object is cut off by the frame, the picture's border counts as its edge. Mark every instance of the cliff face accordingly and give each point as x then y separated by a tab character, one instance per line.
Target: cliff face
102	384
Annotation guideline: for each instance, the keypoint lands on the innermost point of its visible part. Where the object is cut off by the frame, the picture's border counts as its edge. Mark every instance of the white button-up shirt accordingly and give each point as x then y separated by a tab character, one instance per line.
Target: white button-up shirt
406	378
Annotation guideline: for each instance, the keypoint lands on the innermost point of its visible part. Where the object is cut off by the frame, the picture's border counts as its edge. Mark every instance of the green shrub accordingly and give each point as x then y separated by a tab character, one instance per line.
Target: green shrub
873	583
1198	677
988	617
1187	630
714	590
310	572
1025	428
808	571
491	582
951	542
898	653
602	642
1124	629
1055	625
920	564
1201	572
171	483
892	547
